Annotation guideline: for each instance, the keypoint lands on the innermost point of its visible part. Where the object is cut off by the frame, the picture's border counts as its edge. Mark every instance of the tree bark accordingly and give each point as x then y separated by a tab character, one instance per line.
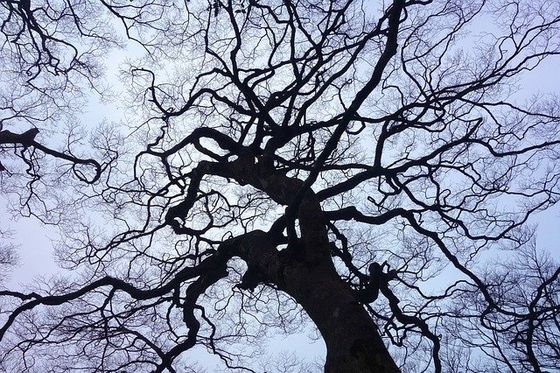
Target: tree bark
352	340
306	272
351	337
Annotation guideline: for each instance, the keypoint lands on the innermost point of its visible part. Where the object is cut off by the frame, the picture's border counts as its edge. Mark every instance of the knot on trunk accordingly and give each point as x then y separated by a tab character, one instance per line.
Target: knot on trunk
251	279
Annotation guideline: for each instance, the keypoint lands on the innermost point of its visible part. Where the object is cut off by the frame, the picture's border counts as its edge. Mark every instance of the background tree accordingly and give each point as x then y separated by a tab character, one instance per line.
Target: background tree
366	165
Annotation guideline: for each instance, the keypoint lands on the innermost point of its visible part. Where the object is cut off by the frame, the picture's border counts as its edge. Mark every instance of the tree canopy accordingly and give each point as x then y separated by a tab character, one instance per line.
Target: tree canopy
371	168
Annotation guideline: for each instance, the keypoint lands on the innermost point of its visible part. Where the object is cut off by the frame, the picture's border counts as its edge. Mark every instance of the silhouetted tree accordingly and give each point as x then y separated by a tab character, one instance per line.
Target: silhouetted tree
366	164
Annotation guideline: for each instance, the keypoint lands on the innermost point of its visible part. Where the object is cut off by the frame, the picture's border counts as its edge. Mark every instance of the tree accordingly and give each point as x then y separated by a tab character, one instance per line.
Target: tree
362	163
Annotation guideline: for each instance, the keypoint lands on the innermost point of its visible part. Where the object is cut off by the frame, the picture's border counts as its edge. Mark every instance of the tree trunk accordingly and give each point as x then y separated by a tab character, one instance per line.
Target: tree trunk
306	272
353	343
352	340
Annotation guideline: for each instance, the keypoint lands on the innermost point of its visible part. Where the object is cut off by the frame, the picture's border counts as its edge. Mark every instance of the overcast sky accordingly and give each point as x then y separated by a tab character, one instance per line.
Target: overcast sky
36	250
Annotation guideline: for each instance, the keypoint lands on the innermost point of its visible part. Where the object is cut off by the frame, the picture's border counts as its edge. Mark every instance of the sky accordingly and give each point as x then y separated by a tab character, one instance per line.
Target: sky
36	250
